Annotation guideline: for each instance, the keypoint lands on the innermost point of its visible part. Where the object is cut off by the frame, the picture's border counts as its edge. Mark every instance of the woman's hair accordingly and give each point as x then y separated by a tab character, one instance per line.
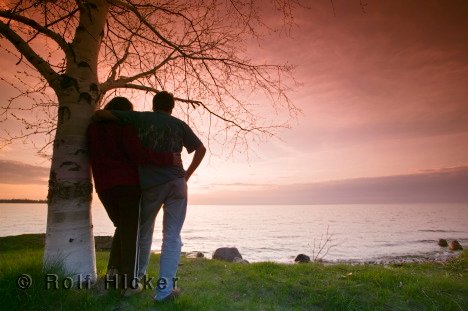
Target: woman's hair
119	103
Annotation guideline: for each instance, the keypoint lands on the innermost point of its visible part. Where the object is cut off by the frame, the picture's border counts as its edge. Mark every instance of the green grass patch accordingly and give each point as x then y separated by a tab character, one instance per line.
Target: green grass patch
215	285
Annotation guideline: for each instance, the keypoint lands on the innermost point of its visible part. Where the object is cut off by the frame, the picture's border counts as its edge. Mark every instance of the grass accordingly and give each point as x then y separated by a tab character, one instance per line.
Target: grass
215	285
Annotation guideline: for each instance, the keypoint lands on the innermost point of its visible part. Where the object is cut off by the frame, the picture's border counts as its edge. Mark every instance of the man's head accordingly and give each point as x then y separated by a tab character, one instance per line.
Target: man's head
163	101
119	103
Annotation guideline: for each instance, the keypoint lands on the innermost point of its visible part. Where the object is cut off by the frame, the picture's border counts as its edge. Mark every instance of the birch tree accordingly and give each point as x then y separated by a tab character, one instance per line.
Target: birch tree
78	52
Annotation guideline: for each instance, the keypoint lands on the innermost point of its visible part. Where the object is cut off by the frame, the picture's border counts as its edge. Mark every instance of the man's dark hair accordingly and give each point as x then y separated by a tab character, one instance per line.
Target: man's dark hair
119	103
163	101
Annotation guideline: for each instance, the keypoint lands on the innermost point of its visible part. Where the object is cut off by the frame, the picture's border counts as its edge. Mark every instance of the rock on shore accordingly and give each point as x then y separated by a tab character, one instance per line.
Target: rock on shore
194	255
455	245
301	258
227	254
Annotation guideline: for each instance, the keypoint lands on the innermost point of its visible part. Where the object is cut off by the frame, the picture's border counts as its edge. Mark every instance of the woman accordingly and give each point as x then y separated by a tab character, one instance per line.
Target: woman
115	152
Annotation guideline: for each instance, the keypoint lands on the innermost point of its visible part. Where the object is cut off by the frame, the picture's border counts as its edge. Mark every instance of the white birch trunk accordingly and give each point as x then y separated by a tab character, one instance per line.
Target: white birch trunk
69	235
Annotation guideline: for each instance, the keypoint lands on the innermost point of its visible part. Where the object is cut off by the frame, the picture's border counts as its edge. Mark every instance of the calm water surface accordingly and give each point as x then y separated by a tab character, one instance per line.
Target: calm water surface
279	232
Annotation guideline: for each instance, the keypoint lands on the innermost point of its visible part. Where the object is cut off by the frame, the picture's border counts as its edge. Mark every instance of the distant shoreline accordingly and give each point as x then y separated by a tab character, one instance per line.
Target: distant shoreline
21	201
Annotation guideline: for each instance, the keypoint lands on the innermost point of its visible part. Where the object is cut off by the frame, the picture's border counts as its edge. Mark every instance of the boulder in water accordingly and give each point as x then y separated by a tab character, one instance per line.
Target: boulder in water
442	242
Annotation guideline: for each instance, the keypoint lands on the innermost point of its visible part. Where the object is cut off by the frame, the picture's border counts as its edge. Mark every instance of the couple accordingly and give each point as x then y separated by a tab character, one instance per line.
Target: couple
135	158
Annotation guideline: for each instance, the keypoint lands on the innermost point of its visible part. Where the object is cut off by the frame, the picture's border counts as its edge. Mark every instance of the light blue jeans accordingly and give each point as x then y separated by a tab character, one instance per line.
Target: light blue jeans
172	196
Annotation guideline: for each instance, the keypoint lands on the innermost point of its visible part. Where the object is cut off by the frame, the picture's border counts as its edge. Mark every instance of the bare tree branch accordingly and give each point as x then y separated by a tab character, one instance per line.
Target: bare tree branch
131	7
196	103
195	49
42	29
108	85
21	45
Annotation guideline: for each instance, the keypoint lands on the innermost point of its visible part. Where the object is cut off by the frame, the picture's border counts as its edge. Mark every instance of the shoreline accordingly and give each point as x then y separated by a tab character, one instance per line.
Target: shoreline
397	260
21	201
103	243
403	259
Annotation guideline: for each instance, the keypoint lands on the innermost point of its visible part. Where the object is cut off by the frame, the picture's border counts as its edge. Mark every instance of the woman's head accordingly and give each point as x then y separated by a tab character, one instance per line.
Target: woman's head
119	103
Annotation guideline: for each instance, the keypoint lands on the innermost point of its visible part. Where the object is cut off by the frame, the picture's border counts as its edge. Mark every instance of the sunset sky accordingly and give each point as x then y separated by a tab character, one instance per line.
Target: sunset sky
384	100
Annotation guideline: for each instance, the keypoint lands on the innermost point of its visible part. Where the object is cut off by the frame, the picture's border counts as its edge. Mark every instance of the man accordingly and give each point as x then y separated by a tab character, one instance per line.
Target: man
162	186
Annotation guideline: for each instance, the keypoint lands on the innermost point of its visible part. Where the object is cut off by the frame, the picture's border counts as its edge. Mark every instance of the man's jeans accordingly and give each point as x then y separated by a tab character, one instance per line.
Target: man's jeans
173	197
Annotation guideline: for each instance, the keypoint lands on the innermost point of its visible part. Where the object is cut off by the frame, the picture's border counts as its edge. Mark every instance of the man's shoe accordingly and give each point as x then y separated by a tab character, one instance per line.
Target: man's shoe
171	297
132	291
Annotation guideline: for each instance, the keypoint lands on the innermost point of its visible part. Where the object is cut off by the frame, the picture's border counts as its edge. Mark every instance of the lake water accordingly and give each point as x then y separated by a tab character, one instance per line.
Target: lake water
359	233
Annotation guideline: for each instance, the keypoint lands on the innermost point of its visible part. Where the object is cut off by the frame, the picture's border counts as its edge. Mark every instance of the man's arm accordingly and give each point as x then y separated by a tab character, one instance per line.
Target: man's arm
102	115
139	154
197	158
